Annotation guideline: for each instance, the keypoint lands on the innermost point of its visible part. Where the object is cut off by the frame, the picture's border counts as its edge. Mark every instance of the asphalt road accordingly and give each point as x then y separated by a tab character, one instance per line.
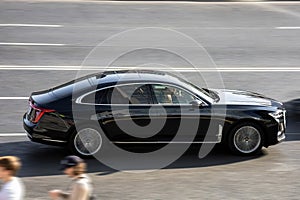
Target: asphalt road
250	46
273	174
259	42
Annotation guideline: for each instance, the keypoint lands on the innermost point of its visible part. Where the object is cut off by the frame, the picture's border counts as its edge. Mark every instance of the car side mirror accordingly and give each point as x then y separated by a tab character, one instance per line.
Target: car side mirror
196	103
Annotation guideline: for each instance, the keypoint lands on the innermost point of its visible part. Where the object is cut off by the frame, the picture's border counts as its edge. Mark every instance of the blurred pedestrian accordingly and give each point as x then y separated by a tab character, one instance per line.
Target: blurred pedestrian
12	188
80	188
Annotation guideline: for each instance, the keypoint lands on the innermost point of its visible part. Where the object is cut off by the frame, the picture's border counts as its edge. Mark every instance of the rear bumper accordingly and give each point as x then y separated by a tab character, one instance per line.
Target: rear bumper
35	134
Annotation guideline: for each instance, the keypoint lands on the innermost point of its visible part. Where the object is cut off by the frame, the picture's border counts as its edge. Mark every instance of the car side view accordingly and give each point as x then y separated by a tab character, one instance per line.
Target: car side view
121	103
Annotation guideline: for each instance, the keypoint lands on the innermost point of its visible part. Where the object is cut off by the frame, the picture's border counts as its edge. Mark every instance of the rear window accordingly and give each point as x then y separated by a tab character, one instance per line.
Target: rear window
68	88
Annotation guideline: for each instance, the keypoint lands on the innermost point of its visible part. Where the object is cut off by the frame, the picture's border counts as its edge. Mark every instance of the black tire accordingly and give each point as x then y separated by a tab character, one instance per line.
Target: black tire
246	139
86	141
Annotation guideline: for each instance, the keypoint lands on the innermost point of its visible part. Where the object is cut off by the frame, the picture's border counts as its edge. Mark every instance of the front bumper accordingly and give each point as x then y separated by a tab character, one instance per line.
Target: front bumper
281	132
277	132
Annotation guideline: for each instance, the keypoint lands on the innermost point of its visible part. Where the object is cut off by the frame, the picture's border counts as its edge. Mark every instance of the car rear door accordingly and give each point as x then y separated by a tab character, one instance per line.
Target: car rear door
130	116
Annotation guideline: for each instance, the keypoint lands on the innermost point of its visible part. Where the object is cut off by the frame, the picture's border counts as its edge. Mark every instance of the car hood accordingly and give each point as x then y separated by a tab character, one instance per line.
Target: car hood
238	97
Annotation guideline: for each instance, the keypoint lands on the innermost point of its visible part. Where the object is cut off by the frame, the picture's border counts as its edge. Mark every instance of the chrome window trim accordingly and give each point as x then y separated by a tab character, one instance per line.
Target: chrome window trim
79	99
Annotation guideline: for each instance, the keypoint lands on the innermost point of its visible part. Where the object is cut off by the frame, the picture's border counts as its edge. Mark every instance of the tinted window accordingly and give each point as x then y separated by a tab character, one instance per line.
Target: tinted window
134	94
166	94
99	97
126	94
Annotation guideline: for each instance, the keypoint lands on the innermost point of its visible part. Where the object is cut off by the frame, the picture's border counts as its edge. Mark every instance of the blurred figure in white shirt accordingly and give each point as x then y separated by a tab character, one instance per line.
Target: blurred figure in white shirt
12	188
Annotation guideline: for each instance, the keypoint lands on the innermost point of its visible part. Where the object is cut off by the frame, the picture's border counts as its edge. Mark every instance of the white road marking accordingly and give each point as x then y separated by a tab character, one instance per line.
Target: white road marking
12	134
178	69
29	44
182	27
165	2
288	27
14	98
167	27
32	25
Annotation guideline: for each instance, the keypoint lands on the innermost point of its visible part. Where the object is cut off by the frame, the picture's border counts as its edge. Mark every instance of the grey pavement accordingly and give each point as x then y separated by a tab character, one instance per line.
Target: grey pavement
273	174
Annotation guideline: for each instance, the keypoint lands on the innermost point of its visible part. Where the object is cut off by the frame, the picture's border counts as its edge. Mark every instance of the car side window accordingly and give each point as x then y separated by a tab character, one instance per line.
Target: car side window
123	94
98	97
166	94
136	93
139	94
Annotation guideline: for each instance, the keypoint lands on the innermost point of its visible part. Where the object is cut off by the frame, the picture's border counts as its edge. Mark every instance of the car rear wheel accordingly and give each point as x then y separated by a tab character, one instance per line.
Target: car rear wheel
86	142
246	139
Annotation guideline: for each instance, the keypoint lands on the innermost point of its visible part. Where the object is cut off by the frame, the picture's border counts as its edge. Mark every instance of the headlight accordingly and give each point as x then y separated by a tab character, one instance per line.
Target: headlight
277	114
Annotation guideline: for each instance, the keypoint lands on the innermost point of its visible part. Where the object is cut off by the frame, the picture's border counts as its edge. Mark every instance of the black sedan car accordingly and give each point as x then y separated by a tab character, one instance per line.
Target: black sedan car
151	107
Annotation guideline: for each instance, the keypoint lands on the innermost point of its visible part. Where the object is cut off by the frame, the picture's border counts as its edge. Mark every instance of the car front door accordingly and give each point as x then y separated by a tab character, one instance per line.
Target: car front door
187	117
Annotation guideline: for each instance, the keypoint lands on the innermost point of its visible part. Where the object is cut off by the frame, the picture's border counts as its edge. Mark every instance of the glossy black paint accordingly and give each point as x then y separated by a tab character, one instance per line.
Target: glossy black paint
56	127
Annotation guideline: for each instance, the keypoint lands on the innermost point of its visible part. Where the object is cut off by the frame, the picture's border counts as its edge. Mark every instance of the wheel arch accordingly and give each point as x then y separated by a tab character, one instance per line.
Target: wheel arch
259	123
80	126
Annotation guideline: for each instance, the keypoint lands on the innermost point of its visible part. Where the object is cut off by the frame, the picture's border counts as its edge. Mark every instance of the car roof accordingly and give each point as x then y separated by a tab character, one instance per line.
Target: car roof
110	78
123	76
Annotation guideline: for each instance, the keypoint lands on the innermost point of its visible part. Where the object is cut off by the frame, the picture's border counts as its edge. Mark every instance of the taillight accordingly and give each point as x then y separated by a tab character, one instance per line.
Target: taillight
35	113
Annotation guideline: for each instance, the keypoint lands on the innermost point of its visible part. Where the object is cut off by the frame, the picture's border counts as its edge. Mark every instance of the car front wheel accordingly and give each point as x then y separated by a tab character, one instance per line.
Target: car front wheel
246	139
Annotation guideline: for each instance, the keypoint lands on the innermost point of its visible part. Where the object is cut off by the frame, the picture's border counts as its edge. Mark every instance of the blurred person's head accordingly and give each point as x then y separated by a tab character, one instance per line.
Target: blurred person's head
73	166
9	166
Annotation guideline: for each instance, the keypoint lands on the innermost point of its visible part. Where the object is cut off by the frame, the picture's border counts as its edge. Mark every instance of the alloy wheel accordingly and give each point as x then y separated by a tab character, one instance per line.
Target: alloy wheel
247	139
87	141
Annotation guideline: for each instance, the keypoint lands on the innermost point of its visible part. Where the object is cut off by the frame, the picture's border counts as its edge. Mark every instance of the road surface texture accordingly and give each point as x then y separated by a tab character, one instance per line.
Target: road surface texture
250	46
